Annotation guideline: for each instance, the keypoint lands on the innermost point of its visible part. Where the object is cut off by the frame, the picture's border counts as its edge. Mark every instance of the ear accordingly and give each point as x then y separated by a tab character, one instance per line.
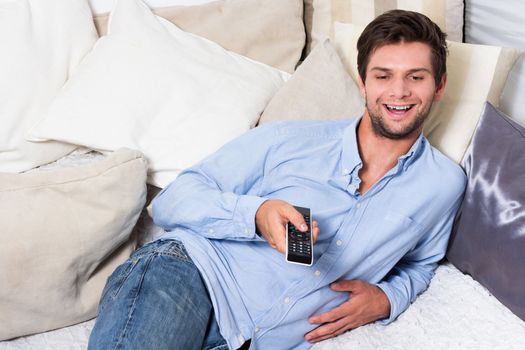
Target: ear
440	89
361	86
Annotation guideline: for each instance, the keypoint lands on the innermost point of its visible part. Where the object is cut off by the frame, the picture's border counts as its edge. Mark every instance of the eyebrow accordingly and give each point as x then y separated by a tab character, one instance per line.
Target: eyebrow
410	71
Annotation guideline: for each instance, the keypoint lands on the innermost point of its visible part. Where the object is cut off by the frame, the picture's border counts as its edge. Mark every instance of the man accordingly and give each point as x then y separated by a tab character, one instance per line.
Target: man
382	199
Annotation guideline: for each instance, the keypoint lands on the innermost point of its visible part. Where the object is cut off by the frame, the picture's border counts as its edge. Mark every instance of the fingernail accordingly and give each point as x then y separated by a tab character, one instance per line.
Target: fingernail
304	227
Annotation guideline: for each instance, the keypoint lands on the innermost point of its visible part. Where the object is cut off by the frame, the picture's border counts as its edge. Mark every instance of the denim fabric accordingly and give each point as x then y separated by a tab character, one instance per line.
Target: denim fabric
156	300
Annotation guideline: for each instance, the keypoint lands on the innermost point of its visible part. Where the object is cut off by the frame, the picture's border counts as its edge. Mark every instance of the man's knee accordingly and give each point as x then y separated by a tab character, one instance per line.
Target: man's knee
157	294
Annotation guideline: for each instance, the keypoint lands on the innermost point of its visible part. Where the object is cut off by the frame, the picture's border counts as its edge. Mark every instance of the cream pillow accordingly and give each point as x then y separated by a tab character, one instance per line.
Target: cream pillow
320	15
104	6
150	86
476	73
319	89
62	233
268	31
41	42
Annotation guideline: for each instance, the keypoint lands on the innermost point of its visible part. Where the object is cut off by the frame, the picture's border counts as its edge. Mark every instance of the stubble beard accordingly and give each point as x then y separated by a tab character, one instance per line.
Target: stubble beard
382	129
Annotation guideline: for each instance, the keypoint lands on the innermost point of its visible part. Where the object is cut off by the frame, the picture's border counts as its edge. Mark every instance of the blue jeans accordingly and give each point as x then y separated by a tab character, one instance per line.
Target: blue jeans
156	300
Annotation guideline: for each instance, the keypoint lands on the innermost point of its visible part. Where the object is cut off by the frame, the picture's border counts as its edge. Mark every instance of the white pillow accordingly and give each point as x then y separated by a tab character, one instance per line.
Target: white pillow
41	43
150	86
103	6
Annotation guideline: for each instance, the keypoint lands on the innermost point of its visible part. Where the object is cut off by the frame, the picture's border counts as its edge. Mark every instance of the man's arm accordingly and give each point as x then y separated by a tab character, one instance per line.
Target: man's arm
389	298
412	274
219	196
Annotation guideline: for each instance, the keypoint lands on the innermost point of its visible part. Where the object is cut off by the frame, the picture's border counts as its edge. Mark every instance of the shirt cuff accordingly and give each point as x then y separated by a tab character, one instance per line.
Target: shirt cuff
394	305
244	216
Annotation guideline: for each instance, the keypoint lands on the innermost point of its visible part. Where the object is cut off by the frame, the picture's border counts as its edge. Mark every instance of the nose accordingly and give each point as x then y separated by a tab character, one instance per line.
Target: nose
399	88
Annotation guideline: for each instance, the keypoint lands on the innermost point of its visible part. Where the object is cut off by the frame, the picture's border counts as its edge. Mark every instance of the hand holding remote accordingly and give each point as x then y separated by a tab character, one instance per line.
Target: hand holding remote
271	219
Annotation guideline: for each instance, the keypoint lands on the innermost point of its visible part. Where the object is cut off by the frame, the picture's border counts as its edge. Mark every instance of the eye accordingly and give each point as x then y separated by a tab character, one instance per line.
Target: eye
416	77
381	77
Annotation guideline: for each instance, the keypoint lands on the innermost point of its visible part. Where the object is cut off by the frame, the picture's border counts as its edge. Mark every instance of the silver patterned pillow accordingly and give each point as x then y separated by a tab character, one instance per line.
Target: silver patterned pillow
488	240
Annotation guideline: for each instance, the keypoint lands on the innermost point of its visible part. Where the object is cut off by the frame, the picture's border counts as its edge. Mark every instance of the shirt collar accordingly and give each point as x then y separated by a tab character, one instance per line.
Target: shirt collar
413	153
350	154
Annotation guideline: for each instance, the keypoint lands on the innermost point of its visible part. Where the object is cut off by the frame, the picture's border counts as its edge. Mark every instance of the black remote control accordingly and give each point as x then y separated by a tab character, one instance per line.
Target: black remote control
299	245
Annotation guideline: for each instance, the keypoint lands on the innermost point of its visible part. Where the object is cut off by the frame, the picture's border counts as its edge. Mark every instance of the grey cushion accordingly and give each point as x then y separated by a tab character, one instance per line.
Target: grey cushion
488	241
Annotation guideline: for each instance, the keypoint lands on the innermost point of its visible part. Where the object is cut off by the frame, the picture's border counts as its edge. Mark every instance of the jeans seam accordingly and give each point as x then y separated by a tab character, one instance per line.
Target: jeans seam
176	249
122	280
122	335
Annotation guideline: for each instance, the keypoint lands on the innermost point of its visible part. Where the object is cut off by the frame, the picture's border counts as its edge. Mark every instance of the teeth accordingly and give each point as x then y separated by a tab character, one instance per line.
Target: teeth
399	108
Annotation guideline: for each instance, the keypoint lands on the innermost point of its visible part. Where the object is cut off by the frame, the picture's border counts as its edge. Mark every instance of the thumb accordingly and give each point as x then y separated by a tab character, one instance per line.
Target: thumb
296	218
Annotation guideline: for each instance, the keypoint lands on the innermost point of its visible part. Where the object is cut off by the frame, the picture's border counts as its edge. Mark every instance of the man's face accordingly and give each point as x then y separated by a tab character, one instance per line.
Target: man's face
400	88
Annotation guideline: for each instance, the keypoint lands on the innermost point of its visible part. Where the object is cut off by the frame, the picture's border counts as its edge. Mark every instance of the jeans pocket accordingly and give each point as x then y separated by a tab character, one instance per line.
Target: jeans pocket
116	280
177	250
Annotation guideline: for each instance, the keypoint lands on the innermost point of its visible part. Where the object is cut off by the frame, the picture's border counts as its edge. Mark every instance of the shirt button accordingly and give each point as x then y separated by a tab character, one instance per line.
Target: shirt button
257	329
317	273
339	242
211	230
246	231
286	300
345	170
358	205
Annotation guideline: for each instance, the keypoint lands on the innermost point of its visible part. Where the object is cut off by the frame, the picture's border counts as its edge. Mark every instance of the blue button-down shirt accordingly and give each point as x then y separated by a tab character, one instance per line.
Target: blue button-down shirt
392	236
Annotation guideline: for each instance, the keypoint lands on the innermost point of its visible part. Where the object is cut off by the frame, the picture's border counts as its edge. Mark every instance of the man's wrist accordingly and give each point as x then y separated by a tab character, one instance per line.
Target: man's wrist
384	302
384	305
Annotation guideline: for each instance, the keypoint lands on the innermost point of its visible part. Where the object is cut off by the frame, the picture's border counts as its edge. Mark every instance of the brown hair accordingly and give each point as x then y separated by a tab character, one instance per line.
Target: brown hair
398	26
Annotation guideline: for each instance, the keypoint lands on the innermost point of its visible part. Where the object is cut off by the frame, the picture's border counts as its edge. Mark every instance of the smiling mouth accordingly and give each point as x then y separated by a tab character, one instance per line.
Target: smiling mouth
398	108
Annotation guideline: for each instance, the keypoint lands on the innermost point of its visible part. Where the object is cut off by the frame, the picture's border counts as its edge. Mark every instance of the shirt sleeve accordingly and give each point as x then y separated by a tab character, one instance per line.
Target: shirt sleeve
218	197
412	274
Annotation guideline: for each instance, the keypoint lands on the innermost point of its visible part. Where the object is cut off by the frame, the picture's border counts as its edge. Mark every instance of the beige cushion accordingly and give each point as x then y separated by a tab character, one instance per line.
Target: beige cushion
317	22
320	15
319	89
268	31
62	232
476	73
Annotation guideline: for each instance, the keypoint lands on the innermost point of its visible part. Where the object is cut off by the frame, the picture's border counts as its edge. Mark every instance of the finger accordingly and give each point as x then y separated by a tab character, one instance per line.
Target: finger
333	315
346	285
329	330
296	218
275	231
280	245
328	336
269	217
278	234
315	231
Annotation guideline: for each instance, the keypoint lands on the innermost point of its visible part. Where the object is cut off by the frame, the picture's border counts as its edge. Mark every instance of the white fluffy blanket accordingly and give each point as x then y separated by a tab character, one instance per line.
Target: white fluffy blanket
456	312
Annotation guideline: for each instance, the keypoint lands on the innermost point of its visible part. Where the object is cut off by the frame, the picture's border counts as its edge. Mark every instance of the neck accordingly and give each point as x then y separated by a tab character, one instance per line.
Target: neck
376	149
379	154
